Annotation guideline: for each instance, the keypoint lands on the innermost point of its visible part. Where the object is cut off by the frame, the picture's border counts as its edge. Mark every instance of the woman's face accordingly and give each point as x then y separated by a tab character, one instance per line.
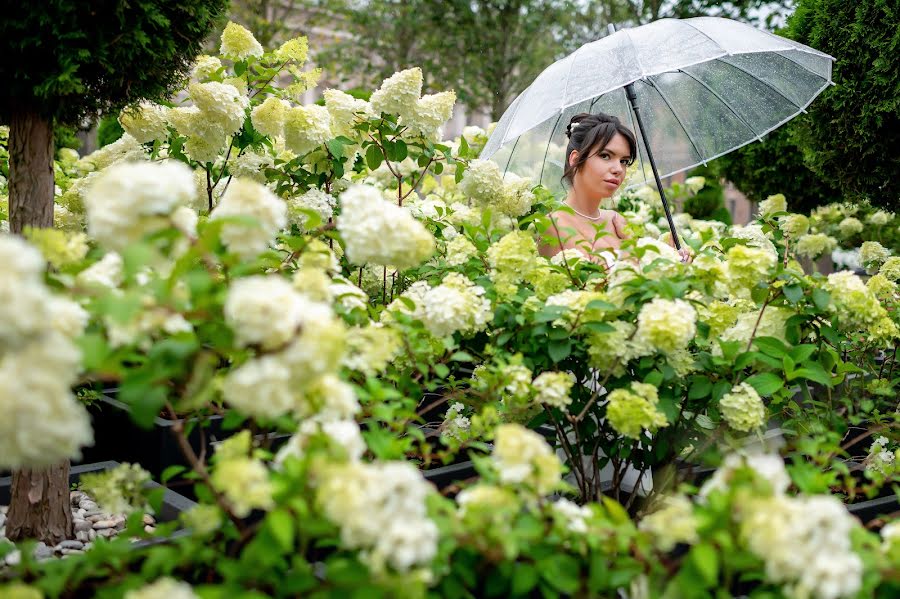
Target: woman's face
602	173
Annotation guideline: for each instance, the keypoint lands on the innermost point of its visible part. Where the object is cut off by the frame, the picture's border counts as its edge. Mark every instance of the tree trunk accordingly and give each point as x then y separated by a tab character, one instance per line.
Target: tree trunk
40	507
30	170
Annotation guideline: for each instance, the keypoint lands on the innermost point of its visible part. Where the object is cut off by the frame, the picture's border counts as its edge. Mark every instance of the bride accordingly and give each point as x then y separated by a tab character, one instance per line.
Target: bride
600	150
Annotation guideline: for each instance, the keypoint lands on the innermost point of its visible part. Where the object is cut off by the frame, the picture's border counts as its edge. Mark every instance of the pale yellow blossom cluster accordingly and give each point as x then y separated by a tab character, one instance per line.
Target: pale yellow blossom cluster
522	457
633	410
743	409
238	43
146	122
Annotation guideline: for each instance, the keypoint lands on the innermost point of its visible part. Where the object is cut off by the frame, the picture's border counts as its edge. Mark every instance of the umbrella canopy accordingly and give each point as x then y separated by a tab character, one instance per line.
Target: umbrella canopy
704	87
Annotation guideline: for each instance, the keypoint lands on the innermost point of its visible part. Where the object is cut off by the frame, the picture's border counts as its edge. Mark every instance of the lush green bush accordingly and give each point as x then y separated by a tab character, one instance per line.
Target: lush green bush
776	165
851	137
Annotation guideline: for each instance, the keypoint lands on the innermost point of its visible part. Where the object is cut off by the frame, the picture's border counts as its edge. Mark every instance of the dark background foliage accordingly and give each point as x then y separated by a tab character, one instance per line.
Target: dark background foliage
69	60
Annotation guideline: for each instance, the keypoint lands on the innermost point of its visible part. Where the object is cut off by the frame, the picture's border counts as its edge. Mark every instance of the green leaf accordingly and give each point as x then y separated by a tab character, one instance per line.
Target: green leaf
559	349
705	559
800	353
441	370
765	383
794	293
171	472
374	157
701	386
821	298
813	372
281	525
770	346
525	576
335	147
560	571
759	294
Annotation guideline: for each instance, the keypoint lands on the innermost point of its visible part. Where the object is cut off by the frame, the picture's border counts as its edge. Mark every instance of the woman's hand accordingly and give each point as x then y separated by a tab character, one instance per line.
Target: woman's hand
686	255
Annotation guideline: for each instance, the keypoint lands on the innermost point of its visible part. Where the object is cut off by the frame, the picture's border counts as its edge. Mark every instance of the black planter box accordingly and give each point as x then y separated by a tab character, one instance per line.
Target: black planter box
117	437
869	510
173	504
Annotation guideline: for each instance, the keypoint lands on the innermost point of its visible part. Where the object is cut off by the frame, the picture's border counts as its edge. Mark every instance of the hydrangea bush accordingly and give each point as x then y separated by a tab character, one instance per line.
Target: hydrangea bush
340	273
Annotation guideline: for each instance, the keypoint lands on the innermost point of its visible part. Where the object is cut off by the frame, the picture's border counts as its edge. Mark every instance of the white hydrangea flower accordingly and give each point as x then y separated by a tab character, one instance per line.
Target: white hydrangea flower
380	509
852	302
245	483
674	522
772	204
371	349
205	66
220	103
666	325
793	225
124	149
265	311
206	136
456	305
483	182
522	456
306	128
164	588
459	250
553	389
377	231
238	43
575	516
43	423
743	409
146	122
398	93
850	226
768	467
67	317
268	117
805	544
814	245
344	109
344	434
872	254
569	256
695	184
347	295
249	198
879	218
128	201
261	387
251	165
429	113
106	272
316	200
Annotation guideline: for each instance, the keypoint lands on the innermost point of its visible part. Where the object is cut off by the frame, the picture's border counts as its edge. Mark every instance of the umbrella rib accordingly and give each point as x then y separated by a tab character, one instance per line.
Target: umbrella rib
634	128
723	101
764	82
547	151
677	118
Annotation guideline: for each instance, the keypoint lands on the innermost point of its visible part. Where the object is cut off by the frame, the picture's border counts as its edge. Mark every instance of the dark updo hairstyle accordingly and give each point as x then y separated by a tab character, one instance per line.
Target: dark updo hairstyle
589	131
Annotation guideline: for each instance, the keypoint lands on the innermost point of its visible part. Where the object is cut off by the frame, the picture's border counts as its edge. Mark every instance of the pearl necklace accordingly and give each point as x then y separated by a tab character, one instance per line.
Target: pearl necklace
582	215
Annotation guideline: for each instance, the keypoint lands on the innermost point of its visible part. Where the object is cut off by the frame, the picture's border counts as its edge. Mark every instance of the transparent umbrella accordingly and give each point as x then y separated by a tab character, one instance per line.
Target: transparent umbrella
692	89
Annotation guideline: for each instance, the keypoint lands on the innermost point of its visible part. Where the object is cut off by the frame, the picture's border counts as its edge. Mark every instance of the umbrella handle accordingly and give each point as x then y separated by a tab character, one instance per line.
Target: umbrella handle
632	98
